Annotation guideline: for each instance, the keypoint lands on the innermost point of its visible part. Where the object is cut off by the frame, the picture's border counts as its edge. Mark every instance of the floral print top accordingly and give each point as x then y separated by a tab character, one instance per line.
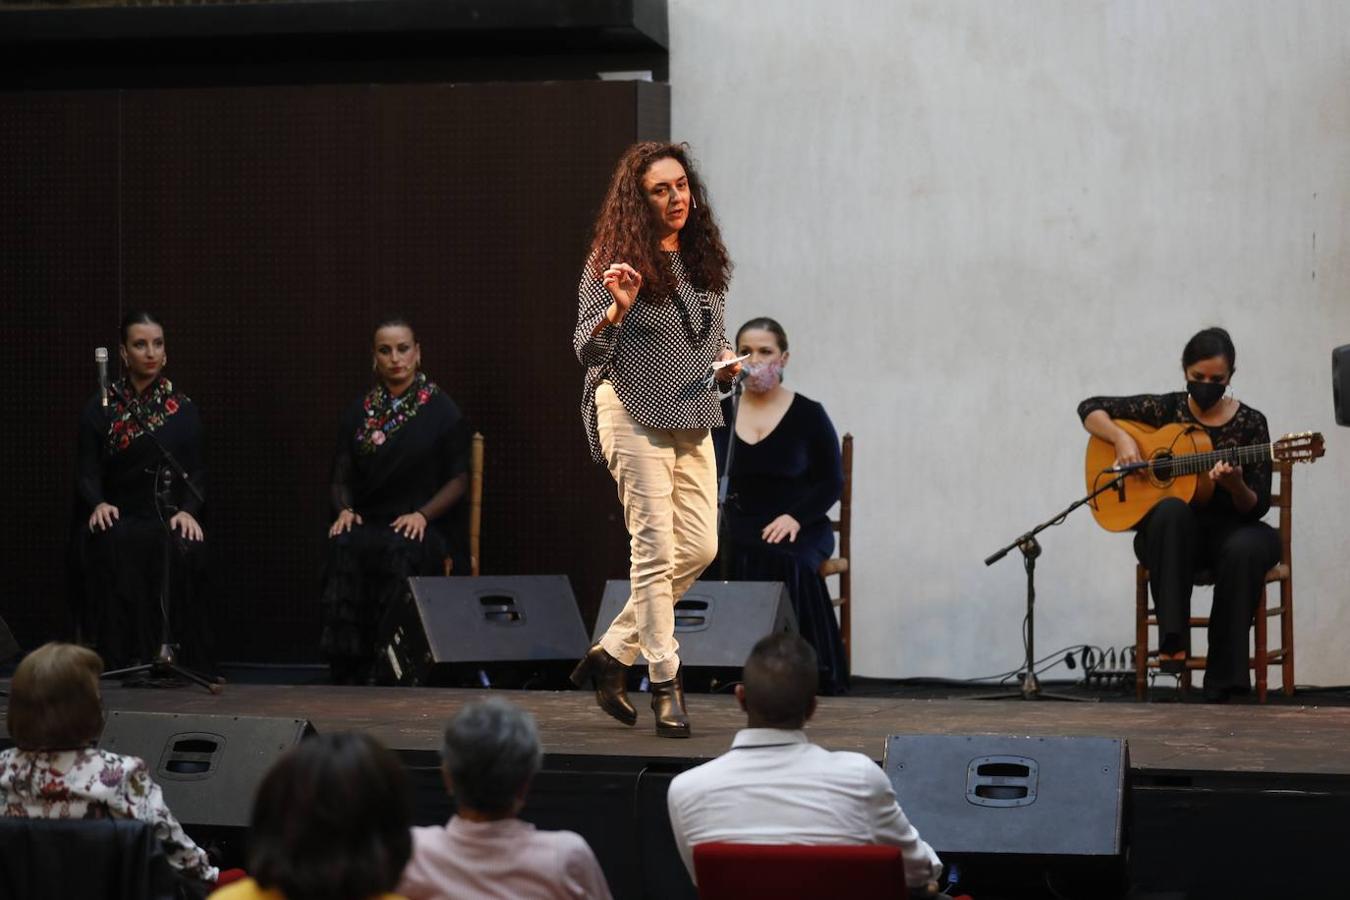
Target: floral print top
157	403
385	414
95	784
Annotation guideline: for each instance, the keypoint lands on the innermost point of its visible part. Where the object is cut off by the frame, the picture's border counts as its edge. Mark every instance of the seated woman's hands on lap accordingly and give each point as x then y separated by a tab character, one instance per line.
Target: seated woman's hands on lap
783	527
103	517
344	522
186	525
411	525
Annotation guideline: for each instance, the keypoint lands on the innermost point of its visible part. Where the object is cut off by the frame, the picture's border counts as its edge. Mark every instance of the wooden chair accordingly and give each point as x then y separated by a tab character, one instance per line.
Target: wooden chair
839	564
475	508
1263	657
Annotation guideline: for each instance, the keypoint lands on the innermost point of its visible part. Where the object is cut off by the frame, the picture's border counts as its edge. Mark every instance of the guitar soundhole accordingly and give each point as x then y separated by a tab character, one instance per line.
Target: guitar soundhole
1162	468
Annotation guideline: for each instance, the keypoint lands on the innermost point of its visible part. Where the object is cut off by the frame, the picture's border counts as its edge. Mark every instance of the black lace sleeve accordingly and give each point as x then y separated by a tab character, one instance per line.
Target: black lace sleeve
192	459
1249	427
340	481
1155	410
454	450
89	464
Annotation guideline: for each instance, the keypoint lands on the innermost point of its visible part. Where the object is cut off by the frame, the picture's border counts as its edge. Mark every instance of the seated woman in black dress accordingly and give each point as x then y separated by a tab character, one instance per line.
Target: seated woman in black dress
400	470
122	551
786	473
1226	536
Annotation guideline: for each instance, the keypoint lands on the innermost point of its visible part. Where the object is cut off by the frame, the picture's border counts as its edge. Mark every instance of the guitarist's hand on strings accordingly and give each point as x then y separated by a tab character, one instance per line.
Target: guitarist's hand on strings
1127	451
1227	477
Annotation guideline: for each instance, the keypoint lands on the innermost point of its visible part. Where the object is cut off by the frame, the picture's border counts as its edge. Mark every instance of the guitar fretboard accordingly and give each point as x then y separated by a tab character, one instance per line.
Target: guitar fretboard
1195	463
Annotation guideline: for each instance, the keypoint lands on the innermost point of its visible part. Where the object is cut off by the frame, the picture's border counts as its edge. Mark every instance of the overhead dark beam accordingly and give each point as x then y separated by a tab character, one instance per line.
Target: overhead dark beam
589	24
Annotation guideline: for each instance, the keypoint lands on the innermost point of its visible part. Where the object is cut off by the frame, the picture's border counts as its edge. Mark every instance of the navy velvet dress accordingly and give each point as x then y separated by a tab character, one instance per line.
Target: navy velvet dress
796	469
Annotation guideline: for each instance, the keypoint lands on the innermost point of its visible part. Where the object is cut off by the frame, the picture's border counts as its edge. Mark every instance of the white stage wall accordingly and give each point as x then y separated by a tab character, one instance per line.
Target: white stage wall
971	215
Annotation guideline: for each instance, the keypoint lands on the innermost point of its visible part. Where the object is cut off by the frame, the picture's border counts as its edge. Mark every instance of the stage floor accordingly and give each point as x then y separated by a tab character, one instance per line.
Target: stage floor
1163	737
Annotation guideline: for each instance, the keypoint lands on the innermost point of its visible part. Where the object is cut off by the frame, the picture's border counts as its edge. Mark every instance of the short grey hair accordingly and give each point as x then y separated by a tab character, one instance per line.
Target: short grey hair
491	751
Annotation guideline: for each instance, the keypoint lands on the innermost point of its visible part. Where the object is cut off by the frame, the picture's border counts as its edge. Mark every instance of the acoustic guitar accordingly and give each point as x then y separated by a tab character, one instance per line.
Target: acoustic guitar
1176	463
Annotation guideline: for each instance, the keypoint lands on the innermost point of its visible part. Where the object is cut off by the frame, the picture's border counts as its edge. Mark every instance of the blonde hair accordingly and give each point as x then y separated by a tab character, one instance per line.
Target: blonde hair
54	701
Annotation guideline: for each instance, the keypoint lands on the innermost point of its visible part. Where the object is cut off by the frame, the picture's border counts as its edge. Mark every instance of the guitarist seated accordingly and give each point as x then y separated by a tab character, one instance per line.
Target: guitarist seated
1226	537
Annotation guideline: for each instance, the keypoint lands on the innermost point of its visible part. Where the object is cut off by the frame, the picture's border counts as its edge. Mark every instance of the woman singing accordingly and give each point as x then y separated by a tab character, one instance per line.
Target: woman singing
786	473
1226	536
649	326
119	472
400	469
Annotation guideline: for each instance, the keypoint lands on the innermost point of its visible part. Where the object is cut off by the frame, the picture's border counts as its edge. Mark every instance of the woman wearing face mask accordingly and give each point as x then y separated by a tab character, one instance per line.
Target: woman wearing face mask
649	326
1225	537
786	473
121	549
399	472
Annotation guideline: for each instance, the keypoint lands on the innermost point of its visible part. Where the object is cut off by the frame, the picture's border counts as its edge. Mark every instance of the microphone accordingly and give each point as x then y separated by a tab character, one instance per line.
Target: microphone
1128	467
101	361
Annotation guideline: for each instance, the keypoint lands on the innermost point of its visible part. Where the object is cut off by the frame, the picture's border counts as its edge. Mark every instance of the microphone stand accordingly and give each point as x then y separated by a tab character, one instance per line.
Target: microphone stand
1030	549
165	664
724	483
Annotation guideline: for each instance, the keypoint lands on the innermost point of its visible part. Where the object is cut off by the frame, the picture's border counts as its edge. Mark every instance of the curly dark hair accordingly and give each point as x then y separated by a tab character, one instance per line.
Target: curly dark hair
624	232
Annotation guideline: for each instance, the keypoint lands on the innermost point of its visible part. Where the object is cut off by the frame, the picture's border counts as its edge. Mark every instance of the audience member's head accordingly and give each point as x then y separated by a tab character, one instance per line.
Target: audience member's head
778	689
54	700
331	820
490	755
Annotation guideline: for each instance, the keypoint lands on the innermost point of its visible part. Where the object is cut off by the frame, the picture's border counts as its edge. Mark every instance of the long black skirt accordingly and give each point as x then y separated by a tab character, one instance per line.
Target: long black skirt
123	571
366	571
810	601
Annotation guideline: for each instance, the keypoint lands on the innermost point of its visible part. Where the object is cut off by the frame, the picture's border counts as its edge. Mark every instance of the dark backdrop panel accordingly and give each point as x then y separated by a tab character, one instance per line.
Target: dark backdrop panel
270	227
58	299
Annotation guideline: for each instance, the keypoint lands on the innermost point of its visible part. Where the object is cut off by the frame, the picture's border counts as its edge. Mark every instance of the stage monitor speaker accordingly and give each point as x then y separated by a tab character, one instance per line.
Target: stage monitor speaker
208	766
995	794
1340	383
716	623
510	630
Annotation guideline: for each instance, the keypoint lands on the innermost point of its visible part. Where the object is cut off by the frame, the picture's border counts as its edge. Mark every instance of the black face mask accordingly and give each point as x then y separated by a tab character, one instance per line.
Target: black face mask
1206	393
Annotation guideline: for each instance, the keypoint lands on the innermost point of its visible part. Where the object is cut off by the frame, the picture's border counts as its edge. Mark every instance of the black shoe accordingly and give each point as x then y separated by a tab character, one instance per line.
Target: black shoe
672	720
608	676
1218	694
1173	666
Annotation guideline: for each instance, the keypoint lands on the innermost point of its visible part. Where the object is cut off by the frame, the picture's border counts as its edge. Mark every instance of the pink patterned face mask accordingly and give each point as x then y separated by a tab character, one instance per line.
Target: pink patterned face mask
764	377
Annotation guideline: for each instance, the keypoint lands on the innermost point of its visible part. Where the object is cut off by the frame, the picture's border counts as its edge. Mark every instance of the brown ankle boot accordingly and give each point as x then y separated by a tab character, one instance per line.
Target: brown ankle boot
672	720
608	676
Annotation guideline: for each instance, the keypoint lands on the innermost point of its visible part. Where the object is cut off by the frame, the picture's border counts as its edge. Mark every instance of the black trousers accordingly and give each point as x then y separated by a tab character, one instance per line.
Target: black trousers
1174	542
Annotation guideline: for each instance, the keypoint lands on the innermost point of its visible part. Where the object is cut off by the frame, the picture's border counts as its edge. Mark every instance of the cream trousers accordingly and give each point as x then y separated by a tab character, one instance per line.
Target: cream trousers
667	479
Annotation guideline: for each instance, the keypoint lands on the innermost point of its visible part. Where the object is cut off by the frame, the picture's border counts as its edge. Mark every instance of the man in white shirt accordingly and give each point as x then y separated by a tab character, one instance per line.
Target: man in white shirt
775	787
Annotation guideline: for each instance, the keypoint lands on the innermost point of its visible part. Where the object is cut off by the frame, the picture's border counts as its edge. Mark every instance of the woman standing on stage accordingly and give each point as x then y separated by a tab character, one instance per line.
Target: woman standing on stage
399	472
649	326
1227	536
122	551
786	473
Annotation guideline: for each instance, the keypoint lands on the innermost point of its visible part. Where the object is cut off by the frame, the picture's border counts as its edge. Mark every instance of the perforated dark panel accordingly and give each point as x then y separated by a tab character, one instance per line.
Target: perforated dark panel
270	227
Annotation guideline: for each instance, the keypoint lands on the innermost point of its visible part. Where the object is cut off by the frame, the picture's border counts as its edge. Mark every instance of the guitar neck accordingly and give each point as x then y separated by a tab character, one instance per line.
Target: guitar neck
1195	463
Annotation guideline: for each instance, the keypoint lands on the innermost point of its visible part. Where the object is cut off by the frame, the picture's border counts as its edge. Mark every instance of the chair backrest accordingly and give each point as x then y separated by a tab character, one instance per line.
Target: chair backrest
475	503
843	564
1283	499
93	859
728	871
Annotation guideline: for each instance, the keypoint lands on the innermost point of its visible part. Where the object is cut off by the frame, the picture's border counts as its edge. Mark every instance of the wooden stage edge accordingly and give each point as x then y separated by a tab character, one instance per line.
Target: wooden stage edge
1163	737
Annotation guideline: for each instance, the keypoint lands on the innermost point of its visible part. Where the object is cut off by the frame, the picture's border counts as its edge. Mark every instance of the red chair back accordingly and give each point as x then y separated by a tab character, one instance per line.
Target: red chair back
796	872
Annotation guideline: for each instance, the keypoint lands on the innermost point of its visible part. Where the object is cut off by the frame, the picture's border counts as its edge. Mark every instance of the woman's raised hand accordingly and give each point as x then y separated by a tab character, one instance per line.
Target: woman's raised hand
344	522
623	283
103	517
